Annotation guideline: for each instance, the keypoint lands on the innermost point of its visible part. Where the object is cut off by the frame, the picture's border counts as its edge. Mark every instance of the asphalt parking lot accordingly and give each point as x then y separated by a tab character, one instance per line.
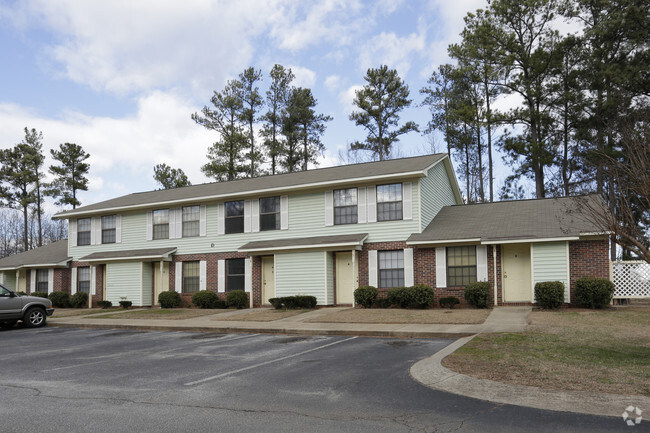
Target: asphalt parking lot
68	380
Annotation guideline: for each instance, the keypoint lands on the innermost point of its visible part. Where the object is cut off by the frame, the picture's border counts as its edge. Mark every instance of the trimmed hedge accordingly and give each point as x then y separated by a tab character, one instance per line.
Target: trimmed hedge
293	302
594	292
169	299
549	294
37	294
365	296
59	299
237	299
79	300
126	304
477	294
418	296
449	302
205	299
383	303
104	304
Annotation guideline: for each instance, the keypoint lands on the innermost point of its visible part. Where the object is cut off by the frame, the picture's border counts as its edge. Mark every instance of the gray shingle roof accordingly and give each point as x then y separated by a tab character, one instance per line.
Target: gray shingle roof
511	220
54	255
149	253
310	242
289	181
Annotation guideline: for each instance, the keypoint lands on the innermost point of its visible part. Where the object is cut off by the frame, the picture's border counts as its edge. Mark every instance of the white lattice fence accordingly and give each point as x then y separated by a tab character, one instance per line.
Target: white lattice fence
631	279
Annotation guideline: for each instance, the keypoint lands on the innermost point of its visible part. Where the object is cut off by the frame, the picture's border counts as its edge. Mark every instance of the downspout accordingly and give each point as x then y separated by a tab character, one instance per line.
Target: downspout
494	268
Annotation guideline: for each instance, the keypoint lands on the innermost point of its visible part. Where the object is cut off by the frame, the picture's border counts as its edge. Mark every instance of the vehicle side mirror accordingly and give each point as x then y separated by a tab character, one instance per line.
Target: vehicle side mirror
12	295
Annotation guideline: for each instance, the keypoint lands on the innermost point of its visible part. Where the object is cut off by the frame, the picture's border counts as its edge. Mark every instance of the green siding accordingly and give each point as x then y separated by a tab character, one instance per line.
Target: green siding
436	191
550	264
330	277
301	273
124	279
147	283
9	280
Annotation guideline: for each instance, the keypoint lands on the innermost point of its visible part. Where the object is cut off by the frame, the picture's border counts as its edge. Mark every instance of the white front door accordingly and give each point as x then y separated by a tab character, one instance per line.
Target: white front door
268	279
345	278
160	280
516	273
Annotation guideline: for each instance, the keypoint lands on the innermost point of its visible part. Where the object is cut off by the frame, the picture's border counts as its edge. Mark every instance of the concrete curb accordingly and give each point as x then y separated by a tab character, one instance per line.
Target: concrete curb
430	372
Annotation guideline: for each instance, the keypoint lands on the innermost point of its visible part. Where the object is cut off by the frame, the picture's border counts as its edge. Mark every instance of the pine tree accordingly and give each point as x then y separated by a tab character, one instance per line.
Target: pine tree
69	175
169	177
277	98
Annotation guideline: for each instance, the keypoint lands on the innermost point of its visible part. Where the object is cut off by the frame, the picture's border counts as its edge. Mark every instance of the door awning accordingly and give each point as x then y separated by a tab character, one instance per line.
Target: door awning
145	255
336	242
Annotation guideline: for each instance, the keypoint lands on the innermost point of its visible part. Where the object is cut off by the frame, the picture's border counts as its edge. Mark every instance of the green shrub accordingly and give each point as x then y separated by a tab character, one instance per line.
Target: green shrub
237	299
79	300
383	303
169	299
294	302
59	299
594	292
205	299
477	294
38	294
276	302
365	296
418	296
449	302
549	294
398	296
104	304
126	304
21	293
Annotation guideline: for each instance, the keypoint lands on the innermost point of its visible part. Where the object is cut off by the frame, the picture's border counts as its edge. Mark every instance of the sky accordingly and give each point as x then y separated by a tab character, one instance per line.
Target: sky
121	78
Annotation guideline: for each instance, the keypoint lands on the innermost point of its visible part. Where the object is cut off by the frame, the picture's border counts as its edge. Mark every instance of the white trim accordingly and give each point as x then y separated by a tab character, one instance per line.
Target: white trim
221	222
481	263
325	276
93	280
171	223
255	215
247	216
179	222
419	189
32	281
73	281
166	258
409	277
526	241
329	208
93	230
444	242
532	275
72	234
203	220
118	228
356	246
568	273
221	276
284	212
203	272
407	200
178	277
494	271
362	213
248	275
373	278
441	267
371	203
50	281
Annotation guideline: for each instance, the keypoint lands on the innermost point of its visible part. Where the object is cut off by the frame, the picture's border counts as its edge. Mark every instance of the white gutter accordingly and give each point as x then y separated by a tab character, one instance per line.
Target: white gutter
357	246
450	241
132	258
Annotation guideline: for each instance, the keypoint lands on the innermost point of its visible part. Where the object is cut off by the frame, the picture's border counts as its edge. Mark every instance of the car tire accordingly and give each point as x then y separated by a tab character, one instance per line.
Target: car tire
34	317
8	324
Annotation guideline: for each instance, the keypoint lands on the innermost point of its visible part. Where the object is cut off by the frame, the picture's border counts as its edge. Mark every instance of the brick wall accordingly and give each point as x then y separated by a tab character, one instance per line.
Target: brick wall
588	259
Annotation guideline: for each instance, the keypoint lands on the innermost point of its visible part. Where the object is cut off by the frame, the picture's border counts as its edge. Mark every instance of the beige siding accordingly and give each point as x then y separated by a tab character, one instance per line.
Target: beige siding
436	191
550	263
124	280
301	274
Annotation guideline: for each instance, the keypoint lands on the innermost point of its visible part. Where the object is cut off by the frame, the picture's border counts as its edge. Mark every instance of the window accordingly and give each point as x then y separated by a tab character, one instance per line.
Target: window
391	269
83	231
108	229
235	274
190	277
42	277
161	224
83	280
235	216
389	202
345	206
270	213
191	221
461	266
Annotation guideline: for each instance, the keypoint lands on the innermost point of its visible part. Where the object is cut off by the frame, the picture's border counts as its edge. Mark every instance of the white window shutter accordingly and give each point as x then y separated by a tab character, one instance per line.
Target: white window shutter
93	236
50	281
371	204
284	212
221	222
372	268
247	216
179	222
329	208
172	223
221	276
149	225
407	201
203	221
203	274
118	228
72	232
408	267
73	281
255	215
481	263
178	278
98	230
248	274
93	280
441	267
361	206
32	281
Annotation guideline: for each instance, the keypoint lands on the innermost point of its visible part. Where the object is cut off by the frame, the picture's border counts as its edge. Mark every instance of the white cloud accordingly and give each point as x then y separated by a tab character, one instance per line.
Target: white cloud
346	98
333	82
304	77
394	51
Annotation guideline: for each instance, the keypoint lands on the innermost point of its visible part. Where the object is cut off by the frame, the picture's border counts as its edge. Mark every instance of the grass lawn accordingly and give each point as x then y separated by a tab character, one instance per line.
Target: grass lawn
587	350
395	315
266	315
163	313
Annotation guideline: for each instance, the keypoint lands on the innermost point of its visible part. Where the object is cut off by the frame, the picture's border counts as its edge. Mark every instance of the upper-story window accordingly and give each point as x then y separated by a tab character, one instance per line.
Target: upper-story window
161	224
235	216
108	229
270	213
461	266
83	231
345	206
389	202
191	221
42	277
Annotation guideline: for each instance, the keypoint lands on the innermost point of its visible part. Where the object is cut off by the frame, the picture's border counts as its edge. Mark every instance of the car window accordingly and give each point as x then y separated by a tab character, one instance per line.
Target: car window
4	293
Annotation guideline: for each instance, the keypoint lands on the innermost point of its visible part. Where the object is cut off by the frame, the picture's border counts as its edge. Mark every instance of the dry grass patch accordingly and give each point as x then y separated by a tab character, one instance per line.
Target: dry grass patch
163	313
395	315
263	315
71	312
583	350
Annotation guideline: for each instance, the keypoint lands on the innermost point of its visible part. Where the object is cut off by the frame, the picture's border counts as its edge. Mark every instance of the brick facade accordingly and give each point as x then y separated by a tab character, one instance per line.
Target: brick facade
588	259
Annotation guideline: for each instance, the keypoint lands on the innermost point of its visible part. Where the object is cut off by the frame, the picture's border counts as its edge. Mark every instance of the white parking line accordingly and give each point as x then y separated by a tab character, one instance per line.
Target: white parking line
76	365
271	361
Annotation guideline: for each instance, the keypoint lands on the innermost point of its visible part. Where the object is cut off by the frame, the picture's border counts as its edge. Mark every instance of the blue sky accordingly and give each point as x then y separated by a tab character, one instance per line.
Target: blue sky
121	78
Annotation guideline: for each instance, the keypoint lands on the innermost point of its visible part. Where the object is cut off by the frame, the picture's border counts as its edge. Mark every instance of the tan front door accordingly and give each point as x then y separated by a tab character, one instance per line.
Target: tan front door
345	278
160	281
516	273
268	279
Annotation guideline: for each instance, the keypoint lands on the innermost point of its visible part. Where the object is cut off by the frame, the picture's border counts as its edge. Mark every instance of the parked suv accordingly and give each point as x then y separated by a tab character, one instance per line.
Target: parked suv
32	310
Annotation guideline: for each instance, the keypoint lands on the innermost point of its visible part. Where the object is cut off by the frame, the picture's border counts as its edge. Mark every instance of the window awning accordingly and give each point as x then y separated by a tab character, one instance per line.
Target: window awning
151	254
336	242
